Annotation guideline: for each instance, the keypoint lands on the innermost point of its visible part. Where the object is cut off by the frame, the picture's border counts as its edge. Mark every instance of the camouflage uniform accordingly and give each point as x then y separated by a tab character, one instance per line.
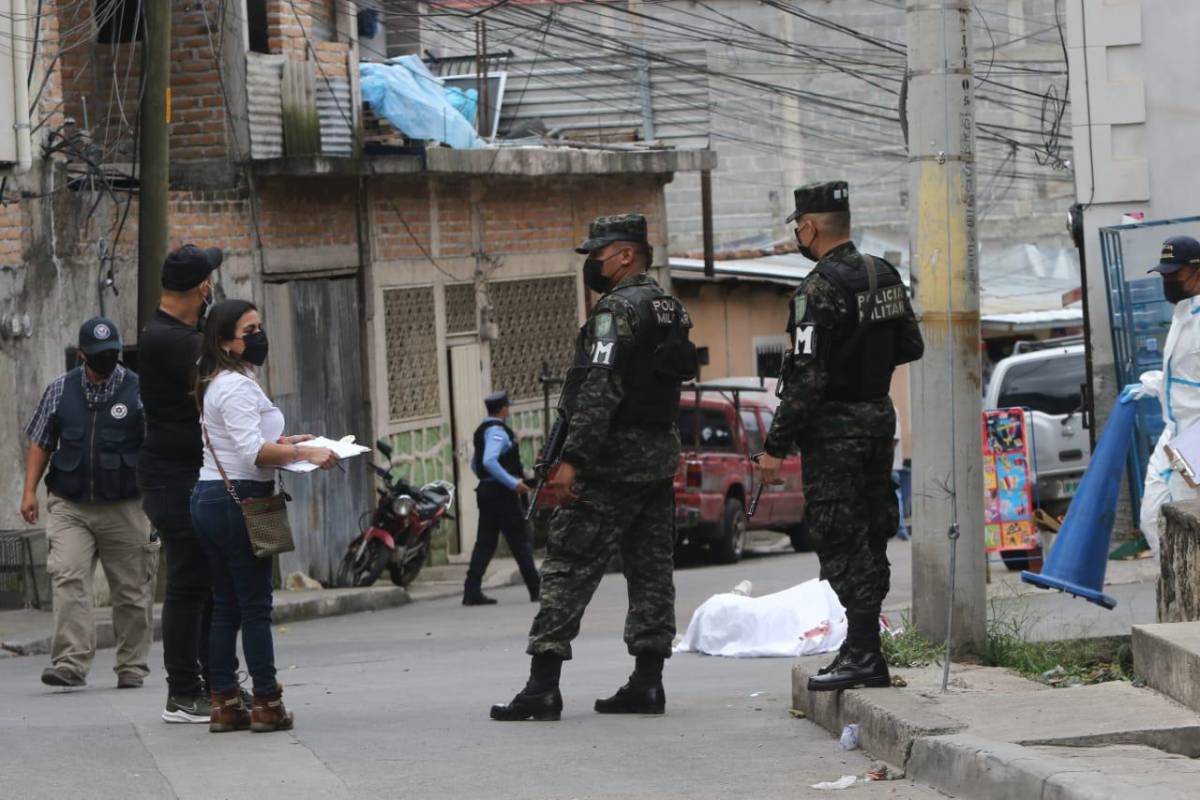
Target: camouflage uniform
846	445
624	474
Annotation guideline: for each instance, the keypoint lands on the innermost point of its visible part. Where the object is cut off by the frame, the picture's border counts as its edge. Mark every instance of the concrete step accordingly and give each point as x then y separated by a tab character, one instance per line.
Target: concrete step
1167	657
994	720
971	767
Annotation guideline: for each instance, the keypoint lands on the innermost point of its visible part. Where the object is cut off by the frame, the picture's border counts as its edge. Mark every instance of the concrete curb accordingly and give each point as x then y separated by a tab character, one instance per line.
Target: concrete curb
969	766
884	732
289	607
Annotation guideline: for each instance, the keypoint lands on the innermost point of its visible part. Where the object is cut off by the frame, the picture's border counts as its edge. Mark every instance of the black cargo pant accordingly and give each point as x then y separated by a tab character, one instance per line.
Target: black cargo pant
187	607
851	513
500	513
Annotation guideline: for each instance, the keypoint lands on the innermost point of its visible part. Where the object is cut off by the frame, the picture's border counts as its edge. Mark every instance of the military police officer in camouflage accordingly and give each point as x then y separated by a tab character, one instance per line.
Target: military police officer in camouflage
615	474
851	324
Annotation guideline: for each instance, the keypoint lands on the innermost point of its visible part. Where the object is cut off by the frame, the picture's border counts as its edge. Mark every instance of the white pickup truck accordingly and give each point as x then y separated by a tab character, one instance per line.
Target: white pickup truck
1049	381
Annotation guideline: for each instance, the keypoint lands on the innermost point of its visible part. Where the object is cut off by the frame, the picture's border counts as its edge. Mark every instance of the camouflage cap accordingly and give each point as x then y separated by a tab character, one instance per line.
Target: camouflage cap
618	228
821	198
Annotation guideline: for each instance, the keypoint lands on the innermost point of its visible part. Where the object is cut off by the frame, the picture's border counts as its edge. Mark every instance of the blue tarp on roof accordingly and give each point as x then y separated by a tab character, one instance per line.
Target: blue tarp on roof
406	94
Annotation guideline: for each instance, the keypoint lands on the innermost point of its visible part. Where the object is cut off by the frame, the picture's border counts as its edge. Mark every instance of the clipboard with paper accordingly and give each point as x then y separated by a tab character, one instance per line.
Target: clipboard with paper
1184	454
344	448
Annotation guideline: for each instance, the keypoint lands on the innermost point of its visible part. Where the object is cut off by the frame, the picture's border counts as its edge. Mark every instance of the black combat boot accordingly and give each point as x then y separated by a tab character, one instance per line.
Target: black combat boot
832	665
643	694
860	663
540	699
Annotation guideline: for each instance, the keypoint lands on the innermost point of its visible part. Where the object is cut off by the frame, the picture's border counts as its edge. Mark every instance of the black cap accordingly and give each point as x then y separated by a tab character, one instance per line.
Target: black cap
821	198
619	228
187	267
1177	252
97	335
495	402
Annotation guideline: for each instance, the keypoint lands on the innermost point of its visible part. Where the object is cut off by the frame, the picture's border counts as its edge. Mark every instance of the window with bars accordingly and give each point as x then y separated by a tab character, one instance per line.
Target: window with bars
410	328
461	315
538	320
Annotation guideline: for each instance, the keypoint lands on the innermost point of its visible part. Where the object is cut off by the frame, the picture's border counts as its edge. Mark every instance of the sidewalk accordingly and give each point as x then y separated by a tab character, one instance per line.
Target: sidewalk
29	632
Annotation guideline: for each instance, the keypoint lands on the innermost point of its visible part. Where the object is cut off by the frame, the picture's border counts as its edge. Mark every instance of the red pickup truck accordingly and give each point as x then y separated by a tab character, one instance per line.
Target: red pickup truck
721	425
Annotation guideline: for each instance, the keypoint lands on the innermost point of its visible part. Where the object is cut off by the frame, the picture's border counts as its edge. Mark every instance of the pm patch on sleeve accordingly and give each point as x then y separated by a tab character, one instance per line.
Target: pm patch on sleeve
605	346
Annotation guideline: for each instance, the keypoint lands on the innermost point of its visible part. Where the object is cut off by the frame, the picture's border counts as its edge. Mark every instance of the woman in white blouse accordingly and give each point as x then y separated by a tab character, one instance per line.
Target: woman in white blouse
244	437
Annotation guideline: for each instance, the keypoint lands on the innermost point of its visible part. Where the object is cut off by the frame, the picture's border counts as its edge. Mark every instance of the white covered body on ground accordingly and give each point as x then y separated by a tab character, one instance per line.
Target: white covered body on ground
801	621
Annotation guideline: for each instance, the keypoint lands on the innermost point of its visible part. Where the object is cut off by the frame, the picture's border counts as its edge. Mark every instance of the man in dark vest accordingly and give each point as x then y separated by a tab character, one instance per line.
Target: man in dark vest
88	428
851	324
616	475
497	464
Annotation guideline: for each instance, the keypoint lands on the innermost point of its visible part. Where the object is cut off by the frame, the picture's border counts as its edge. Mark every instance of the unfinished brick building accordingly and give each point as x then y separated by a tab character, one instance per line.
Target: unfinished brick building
398	288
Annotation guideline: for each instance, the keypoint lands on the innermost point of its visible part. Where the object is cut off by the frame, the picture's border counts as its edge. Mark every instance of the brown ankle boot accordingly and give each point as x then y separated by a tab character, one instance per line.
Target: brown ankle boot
229	713
269	714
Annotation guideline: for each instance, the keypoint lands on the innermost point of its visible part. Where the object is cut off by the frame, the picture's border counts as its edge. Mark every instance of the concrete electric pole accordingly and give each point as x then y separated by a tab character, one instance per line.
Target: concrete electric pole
154	157
948	549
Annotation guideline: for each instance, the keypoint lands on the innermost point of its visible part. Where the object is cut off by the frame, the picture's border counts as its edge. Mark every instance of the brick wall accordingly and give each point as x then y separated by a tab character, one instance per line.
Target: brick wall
288	21
307	213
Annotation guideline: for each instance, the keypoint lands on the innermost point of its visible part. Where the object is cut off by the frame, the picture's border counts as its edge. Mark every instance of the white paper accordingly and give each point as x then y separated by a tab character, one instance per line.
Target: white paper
343	448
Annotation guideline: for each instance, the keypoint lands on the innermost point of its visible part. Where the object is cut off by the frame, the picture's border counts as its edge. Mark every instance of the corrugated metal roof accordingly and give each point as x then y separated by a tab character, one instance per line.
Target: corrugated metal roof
1004	297
336	111
264	86
580	97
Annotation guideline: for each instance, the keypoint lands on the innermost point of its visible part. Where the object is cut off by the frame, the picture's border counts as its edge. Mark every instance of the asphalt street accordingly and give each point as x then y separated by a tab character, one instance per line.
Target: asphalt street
394	704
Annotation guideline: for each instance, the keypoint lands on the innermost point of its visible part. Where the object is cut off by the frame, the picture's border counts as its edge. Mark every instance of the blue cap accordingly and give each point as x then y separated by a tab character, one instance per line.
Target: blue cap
97	335
1177	252
496	401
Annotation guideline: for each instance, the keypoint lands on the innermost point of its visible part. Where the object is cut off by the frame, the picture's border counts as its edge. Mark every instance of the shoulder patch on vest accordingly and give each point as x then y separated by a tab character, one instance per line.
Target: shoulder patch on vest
799	307
604	350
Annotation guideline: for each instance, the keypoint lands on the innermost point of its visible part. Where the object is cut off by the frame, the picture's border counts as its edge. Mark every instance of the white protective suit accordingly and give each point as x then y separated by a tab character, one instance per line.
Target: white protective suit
1177	387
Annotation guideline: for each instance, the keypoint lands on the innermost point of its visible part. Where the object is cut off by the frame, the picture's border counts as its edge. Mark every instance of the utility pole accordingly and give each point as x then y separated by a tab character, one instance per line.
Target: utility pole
154	156
949	561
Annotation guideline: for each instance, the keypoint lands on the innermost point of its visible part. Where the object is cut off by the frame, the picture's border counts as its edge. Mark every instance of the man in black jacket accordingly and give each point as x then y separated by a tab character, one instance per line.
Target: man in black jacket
497	463
168	469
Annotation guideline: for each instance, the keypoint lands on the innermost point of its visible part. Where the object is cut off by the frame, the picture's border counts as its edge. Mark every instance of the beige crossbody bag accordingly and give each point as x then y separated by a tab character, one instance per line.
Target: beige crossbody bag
266	517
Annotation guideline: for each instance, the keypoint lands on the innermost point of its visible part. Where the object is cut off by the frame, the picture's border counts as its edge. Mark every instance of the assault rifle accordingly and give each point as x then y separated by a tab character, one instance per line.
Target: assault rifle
548	458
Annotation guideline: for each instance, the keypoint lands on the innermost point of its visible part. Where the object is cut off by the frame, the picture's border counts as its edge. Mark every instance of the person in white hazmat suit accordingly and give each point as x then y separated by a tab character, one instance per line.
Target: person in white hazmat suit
1177	384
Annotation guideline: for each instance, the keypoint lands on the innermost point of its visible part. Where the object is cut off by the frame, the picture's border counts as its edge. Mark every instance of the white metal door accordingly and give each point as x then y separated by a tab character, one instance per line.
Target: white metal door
466	405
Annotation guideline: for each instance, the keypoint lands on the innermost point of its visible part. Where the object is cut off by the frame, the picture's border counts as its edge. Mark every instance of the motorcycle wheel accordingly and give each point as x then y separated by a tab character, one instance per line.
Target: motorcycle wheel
404	574
363	569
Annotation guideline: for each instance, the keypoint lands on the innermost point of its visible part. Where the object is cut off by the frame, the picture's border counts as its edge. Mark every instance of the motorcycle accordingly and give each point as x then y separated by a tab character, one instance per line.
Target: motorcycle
396	535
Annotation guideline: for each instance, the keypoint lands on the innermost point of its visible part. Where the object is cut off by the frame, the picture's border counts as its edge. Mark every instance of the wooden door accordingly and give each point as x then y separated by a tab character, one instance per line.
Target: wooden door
315	377
467	411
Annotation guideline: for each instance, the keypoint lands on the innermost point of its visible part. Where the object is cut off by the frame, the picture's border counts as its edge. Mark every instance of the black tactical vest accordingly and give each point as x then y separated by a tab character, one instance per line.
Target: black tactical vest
98	445
865	350
662	358
510	459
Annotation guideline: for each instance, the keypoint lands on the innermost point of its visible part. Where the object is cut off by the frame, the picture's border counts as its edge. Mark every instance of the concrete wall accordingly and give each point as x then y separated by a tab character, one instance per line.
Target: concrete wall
1134	129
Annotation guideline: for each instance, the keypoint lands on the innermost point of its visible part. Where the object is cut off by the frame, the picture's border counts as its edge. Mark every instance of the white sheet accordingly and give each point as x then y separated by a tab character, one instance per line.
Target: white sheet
801	621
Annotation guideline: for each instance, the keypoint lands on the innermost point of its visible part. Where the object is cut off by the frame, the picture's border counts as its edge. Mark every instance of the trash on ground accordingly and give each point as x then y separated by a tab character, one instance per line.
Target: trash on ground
844	782
757	694
299	582
849	740
797	713
877	772
744	588
899	682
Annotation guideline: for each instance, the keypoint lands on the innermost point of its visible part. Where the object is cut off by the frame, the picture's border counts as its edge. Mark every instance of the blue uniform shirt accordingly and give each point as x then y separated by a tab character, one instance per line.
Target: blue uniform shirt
496	444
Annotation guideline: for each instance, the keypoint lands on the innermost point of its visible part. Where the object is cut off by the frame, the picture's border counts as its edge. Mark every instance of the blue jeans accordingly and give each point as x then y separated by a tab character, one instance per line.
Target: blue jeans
242	591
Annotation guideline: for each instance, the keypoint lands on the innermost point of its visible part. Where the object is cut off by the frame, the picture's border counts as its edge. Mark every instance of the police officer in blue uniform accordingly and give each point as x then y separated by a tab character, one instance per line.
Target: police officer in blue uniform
497	464
88	429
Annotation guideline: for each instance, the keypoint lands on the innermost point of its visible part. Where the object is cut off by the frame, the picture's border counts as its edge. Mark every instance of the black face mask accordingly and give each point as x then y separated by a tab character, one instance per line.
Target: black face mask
805	250
256	347
594	278
103	363
1174	291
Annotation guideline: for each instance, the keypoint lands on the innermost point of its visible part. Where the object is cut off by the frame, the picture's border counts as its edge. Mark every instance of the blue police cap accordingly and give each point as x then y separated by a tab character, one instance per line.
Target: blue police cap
97	335
1177	253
